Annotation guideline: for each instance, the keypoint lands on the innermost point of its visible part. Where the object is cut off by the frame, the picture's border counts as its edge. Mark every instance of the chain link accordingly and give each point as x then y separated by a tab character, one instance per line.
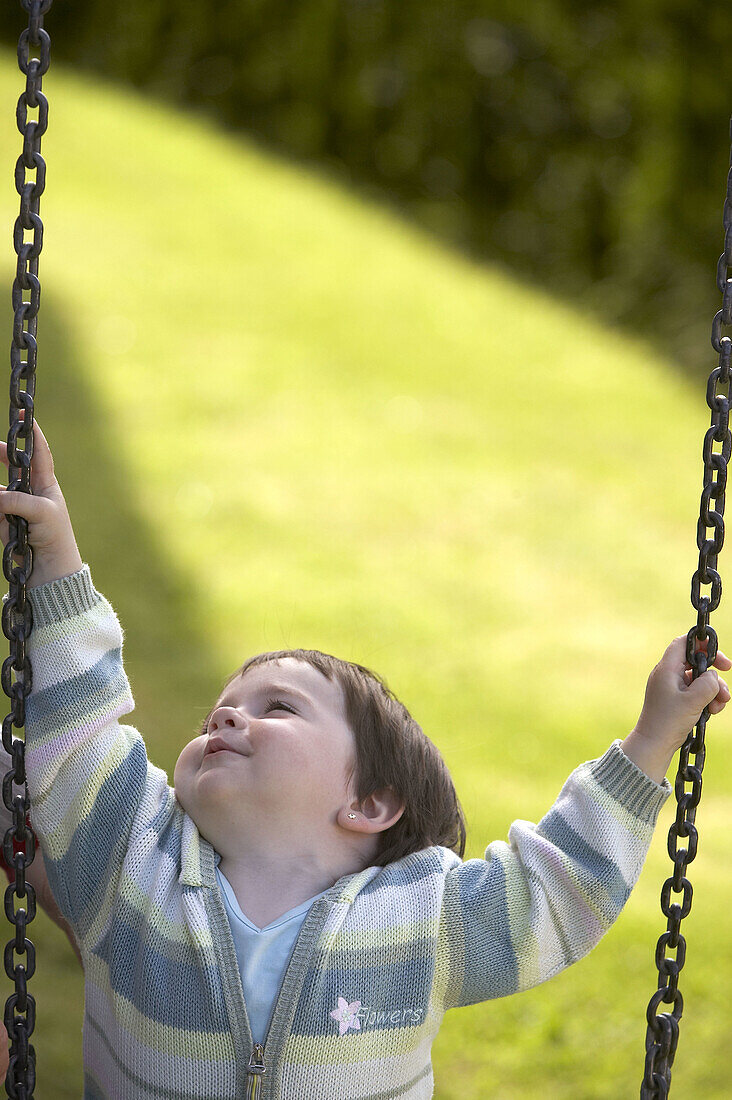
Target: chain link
663	1028
17	617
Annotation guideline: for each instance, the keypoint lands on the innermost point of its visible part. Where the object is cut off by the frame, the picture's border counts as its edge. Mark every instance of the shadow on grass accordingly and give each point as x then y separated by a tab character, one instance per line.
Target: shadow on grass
165	657
166	660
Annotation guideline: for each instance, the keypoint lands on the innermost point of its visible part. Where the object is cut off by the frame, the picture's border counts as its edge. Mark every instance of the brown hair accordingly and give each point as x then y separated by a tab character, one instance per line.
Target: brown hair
391	751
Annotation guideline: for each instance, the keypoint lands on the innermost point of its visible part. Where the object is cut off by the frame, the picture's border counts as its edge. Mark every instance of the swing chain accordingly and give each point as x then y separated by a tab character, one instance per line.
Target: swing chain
17	617
663	1028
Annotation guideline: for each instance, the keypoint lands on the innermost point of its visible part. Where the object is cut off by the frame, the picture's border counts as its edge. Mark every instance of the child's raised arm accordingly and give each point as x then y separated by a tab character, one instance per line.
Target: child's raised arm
537	904
91	787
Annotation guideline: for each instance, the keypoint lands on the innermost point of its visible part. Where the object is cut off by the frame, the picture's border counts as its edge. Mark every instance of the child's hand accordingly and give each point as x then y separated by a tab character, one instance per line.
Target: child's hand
674	701
50	533
672	706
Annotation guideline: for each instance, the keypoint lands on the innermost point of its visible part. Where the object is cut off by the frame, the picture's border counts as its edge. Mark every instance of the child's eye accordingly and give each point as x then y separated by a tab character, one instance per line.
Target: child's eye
277	704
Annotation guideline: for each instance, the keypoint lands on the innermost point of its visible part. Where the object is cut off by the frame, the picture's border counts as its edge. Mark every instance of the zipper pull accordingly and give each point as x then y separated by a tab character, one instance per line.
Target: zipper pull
255	1072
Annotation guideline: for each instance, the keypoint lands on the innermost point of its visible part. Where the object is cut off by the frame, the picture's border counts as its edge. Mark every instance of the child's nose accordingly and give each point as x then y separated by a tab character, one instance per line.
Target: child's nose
225	717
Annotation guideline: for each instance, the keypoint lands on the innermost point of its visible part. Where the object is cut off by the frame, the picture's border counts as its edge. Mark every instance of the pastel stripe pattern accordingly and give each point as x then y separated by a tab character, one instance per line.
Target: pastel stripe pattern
389	949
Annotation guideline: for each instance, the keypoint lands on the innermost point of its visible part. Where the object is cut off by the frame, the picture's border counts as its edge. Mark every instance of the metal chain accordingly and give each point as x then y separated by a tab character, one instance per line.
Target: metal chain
663	1028
17	618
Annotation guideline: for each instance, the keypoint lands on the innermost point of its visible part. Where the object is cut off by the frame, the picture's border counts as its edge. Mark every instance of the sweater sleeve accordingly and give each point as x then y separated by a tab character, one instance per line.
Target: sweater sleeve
90	784
538	903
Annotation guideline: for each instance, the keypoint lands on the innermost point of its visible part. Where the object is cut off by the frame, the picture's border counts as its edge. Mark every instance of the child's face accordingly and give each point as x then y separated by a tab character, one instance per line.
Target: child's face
278	751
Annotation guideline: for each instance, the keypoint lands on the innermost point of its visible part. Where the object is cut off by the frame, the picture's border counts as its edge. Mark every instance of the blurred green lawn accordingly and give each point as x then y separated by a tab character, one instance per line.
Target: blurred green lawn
284	417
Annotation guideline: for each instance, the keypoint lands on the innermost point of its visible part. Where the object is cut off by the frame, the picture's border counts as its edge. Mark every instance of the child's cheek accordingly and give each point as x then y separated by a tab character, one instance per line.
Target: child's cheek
187	763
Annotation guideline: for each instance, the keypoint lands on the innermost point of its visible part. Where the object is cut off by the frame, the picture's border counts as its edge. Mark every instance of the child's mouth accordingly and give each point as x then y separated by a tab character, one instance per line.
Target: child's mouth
217	745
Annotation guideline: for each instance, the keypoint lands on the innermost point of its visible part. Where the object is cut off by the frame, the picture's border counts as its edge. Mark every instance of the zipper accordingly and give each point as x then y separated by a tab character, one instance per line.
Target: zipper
255	1072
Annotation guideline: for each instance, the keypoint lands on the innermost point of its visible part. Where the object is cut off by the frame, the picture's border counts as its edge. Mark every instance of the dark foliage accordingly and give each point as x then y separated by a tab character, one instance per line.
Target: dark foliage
585	145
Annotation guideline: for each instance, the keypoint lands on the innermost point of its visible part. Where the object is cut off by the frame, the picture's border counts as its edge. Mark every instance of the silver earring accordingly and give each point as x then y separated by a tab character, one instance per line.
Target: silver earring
352	817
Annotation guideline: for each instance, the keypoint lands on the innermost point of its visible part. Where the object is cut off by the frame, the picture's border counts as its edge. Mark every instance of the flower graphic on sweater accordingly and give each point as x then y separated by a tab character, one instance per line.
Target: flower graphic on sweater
347	1015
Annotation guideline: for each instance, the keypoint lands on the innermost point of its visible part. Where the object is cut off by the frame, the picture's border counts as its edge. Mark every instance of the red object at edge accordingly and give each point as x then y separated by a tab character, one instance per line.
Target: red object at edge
18	846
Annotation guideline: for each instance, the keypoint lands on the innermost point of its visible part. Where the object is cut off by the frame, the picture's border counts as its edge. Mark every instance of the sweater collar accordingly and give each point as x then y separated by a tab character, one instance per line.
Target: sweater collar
196	856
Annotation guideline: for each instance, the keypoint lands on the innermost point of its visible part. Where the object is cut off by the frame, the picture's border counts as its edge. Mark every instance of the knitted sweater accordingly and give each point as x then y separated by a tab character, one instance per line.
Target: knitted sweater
380	956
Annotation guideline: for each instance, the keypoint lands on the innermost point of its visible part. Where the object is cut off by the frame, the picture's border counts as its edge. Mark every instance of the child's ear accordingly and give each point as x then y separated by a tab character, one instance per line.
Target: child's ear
378	812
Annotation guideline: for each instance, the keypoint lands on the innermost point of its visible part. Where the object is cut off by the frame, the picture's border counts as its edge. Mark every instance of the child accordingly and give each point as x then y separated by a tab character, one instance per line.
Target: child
294	918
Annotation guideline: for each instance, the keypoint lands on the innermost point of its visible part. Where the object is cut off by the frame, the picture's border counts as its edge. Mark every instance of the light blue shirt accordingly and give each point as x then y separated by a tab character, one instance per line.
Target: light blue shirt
262	954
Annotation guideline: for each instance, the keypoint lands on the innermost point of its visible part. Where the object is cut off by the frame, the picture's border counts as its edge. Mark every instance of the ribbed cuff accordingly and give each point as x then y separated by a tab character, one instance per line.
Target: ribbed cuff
63	598
629	784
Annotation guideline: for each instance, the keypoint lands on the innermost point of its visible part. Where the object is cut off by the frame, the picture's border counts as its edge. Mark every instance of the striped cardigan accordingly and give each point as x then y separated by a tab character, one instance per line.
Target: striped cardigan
379	958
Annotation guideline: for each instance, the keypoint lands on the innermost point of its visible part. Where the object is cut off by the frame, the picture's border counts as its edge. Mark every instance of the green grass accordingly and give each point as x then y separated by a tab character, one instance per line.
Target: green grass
283	417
